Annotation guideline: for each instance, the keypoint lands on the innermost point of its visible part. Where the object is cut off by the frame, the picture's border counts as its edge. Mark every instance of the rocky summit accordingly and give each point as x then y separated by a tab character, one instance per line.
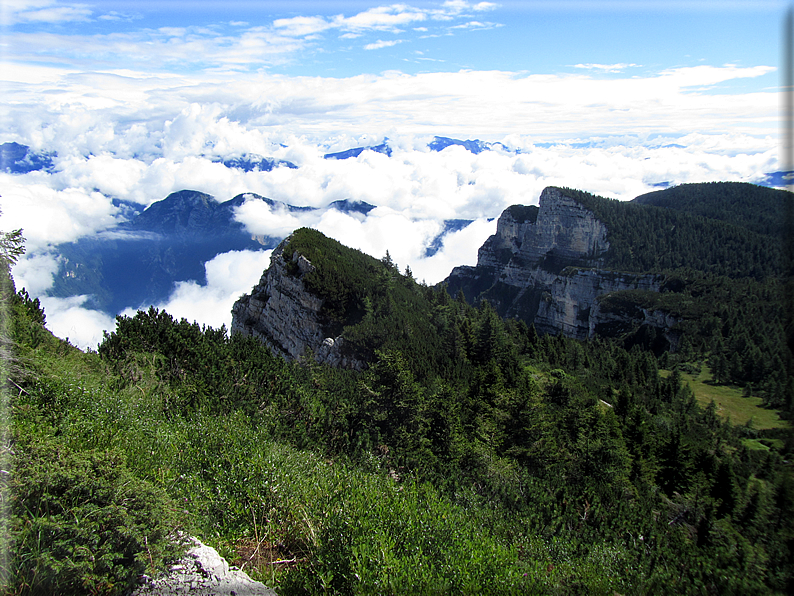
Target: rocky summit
281	312
545	265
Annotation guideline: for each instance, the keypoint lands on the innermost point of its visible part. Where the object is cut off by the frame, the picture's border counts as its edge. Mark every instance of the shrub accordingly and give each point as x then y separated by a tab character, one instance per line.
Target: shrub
83	524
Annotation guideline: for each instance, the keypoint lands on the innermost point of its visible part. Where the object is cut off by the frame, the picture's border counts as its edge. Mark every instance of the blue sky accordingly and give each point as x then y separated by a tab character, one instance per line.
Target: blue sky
606	67
341	39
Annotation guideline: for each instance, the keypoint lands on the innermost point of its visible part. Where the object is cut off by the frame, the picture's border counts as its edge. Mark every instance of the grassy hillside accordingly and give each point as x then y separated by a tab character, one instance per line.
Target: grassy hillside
492	461
731	401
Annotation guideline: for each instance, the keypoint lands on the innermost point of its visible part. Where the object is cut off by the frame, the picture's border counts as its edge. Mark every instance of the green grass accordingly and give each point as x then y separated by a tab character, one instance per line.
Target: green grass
346	527
730	402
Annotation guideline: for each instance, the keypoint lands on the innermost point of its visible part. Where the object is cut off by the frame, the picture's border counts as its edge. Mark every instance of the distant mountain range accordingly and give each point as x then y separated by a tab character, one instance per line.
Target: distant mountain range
19	159
356	151
138	262
437	144
251	162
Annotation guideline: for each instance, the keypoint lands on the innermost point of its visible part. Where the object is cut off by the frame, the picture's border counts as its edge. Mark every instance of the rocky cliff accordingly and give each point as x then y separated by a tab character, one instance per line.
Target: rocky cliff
548	270
283	314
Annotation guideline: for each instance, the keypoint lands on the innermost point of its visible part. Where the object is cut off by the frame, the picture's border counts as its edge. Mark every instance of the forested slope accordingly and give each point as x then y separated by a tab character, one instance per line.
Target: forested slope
651	237
720	249
472	456
756	208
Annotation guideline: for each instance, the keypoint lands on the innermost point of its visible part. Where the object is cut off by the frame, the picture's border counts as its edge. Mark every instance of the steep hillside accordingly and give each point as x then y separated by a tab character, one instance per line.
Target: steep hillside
470	456
340	305
587	266
547	267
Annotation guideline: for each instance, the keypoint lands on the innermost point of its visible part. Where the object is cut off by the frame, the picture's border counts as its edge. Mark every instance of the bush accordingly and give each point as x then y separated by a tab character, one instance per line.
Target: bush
83	524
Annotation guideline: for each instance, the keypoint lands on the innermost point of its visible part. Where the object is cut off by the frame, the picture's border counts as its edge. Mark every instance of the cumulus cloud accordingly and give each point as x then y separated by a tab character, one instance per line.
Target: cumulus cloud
67	319
407	240
459	248
383	230
50	215
35	271
383	18
229	276
263	220
176	117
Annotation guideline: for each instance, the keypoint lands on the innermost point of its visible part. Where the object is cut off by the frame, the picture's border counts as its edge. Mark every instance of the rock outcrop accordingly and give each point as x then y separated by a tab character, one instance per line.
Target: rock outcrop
284	315
549	271
203	572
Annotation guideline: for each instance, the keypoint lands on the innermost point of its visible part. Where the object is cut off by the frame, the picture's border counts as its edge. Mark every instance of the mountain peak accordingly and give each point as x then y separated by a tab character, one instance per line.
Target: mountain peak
356	151
19	159
251	162
177	213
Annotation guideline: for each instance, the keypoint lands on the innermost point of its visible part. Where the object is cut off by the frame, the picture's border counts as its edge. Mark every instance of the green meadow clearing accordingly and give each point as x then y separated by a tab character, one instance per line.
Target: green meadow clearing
731	404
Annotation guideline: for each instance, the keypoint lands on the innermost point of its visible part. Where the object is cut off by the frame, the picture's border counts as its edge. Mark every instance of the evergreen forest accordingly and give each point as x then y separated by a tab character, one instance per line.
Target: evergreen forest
471	456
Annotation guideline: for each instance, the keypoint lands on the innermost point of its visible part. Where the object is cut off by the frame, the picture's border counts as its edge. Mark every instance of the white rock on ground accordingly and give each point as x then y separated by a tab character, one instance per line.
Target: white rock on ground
203	572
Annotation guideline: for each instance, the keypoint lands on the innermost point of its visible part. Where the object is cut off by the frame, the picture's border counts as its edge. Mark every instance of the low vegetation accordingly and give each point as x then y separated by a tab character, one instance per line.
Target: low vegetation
472	456
733	403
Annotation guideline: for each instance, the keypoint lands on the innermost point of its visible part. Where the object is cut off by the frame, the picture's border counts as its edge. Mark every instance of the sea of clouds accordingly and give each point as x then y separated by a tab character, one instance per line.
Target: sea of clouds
138	137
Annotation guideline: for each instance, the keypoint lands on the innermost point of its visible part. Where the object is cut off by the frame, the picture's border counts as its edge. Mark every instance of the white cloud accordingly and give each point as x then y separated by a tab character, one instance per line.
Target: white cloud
51	216
42	11
383	18
260	219
607	67
459	248
67	319
35	271
229	276
457	7
302	26
698	76
477	25
382	44
119	16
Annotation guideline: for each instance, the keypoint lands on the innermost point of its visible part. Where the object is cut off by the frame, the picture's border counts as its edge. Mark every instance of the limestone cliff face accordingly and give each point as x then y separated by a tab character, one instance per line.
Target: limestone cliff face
564	233
550	271
571	302
283	314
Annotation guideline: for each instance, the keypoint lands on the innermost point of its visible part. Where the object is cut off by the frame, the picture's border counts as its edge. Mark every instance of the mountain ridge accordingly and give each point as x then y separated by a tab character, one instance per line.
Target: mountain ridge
139	261
553	268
